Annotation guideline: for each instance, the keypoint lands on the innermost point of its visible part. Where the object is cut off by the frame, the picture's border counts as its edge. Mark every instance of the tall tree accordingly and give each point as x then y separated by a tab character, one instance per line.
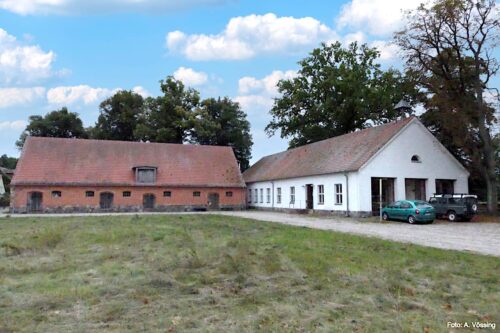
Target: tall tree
58	124
221	122
337	90
449	46
119	117
8	162
167	117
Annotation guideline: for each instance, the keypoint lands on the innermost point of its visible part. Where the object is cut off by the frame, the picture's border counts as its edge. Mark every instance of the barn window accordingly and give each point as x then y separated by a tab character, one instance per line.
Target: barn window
89	194
268	195
167	193
261	195
229	194
127	194
145	175
338	194
321	194
256	199
56	194
292	195
196	193
416	159
278	195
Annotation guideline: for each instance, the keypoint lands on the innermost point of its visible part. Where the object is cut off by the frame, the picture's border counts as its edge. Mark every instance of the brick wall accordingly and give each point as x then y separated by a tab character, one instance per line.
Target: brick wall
74	198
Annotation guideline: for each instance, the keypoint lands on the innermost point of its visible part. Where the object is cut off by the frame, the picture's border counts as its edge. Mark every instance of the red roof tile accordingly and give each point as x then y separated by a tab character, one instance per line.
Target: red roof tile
339	154
58	161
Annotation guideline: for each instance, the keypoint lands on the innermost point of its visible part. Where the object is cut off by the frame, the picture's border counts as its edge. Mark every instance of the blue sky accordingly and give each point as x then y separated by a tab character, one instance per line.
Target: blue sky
76	53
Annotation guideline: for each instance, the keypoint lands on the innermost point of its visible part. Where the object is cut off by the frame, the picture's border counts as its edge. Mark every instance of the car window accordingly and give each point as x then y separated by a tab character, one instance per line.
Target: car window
433	201
406	205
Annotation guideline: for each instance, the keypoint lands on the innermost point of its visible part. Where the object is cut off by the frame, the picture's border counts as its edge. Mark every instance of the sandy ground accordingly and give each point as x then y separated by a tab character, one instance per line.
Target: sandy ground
476	237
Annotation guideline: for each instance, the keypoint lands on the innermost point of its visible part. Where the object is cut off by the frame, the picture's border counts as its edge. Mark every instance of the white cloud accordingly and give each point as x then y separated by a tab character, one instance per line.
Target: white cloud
77	94
255	104
21	63
190	77
266	85
19	96
76	7
141	91
388	50
246	36
376	17
17	125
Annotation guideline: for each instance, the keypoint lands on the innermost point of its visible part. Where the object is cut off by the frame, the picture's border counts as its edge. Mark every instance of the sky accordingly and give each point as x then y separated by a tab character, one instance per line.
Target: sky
76	53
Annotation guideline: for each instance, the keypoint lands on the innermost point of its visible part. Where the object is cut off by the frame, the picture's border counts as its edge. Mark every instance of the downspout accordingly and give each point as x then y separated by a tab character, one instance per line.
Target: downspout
346	175
272	193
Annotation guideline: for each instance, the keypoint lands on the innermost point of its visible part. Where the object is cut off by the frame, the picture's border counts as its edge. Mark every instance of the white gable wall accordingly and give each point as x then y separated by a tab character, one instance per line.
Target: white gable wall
394	161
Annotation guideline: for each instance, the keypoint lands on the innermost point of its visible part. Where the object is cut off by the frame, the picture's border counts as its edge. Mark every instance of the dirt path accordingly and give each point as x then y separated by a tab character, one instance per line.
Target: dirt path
481	238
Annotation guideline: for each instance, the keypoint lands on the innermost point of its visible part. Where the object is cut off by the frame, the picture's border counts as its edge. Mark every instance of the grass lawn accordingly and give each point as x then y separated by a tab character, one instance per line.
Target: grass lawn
204	273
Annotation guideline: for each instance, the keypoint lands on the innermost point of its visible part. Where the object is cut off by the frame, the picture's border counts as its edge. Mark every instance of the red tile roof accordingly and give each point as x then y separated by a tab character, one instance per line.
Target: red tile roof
339	154
58	161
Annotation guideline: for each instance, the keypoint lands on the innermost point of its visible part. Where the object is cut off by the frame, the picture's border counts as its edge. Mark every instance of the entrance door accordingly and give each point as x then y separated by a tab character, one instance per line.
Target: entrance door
415	189
309	196
213	201
387	195
106	200
35	201
148	201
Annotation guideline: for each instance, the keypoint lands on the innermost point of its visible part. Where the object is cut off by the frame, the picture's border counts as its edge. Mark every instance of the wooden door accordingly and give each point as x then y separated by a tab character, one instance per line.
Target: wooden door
213	201
35	201
309	197
148	201
106	200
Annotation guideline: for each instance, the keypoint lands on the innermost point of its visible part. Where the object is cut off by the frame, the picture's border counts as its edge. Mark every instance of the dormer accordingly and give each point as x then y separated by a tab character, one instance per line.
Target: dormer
145	174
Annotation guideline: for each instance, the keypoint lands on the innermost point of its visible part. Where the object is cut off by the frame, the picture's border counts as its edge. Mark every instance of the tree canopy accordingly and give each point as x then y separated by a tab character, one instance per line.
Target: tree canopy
336	91
58	124
221	122
449	49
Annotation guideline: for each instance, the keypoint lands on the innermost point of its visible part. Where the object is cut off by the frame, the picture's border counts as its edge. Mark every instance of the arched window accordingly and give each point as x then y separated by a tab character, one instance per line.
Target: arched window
416	159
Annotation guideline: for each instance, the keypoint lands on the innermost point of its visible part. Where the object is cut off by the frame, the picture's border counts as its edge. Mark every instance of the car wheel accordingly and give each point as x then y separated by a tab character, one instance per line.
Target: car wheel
411	219
452	216
385	217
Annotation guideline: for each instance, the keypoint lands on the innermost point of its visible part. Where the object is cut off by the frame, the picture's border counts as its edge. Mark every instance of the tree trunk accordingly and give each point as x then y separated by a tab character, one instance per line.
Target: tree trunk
487	151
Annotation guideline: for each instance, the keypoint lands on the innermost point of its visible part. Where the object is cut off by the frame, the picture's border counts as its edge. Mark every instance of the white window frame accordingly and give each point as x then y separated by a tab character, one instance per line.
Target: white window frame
292	195
256	199
261	195
268	195
321	194
339	194
278	195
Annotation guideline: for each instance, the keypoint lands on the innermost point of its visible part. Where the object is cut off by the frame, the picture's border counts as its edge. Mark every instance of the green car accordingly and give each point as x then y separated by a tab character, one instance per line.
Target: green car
409	210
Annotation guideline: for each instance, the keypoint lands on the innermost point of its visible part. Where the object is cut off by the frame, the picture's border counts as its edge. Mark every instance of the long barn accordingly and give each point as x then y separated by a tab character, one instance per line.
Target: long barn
75	175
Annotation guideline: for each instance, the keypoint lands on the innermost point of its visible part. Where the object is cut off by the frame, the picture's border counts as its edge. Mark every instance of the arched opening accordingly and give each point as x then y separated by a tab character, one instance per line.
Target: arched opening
106	200
35	201
148	201
416	159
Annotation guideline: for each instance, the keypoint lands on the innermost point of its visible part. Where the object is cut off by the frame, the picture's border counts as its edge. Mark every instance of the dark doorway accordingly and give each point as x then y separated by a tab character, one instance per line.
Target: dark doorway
387	195
309	196
445	186
148	201
213	201
35	201
415	189
106	200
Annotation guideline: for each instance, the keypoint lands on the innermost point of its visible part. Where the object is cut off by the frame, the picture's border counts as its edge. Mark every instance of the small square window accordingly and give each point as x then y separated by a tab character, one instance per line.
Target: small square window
229	194
196	194
56	194
167	193
89	194
127	193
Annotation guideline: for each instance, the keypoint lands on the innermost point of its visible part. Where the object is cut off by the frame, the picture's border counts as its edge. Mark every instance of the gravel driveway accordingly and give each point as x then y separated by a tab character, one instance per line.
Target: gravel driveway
481	238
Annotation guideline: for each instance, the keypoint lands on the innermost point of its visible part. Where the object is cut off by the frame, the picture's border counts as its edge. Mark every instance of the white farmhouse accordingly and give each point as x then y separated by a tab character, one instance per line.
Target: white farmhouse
344	174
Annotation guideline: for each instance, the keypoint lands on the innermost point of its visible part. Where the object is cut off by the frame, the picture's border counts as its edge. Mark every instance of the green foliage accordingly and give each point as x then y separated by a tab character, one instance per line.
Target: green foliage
57	124
337	90
167	117
8	162
120	116
221	122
